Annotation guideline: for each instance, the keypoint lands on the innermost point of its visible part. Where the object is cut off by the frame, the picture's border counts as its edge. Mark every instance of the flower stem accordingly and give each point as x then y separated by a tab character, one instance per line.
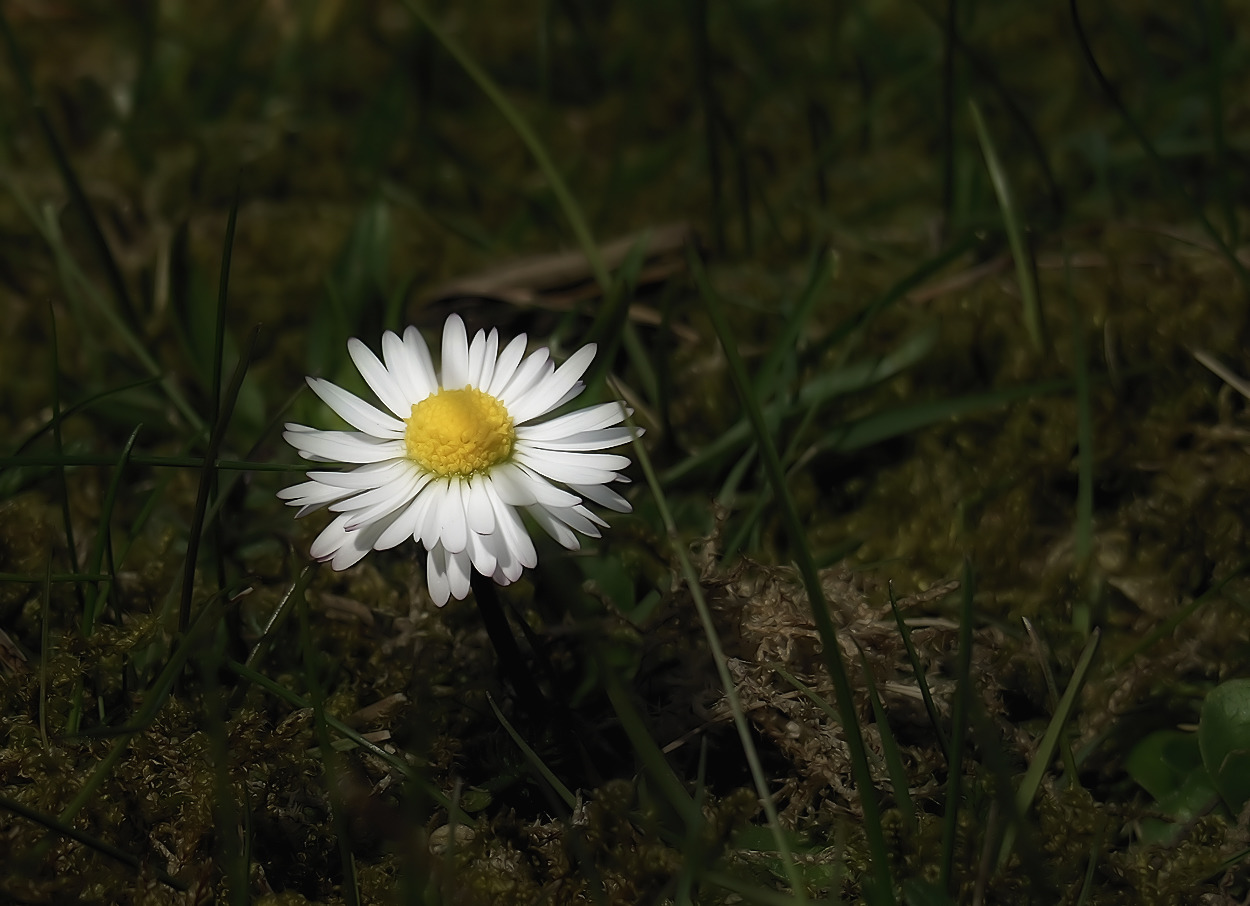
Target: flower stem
486	593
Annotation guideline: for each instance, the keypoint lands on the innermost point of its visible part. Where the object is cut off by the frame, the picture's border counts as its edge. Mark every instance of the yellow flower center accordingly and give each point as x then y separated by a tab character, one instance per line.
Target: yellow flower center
459	432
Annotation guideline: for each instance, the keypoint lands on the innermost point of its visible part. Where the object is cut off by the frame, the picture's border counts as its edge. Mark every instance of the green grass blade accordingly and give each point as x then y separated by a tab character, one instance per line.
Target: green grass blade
1013	221
104	534
59	452
722	669
568	204
881	889
890	750
1050	739
531	756
207	475
959	730
935	719
892	423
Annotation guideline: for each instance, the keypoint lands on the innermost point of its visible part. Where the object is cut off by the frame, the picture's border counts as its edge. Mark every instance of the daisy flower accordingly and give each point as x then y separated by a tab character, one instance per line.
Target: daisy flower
459	456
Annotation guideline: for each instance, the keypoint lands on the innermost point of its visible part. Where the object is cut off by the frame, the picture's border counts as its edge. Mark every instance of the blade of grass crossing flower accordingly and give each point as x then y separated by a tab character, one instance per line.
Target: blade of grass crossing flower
531	756
922	683
1040	762
1025	275
879	886
959	730
207	472
722	669
572	211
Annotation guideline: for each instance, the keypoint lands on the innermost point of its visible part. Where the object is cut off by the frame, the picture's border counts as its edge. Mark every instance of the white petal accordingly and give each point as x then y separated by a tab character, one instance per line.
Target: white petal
426	381
511	531
458	571
455	355
554	527
592	418
572	468
483	378
530	373
404	527
481	555
412	371
519	486
380	380
513	485
603	439
604	496
381	509
551	391
358	544
505	368
430	525
355	411
370	475
403	483
436	575
332	537
341	446
311	494
579	519
477	357
481	517
453	529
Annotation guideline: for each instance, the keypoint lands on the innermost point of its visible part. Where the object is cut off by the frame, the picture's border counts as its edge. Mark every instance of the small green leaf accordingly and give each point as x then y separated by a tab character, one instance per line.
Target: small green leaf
1224	738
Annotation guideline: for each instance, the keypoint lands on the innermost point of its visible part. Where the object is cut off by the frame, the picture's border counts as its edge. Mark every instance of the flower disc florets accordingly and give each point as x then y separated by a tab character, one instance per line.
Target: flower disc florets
459	432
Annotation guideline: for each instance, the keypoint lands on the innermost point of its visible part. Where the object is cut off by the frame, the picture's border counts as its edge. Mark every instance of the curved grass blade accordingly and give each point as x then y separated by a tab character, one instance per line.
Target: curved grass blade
880	885
1025	274
532	757
922	683
572	211
722	669
1050	739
